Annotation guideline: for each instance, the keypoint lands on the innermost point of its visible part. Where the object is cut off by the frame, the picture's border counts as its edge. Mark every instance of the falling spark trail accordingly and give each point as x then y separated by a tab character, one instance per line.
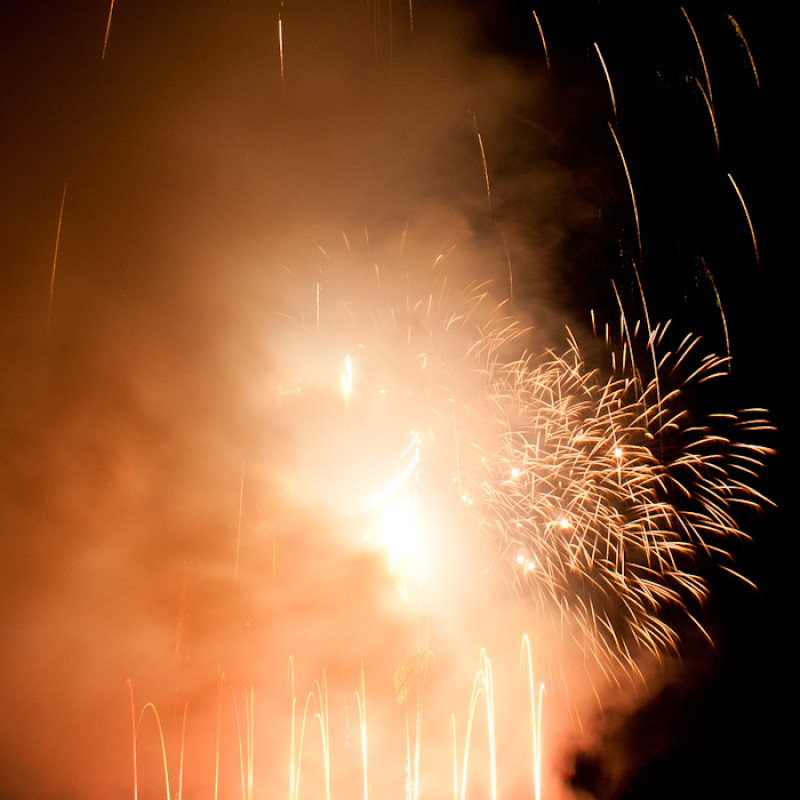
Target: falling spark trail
608	79
483	161
721	311
108	29
544	43
55	257
489	203
630	187
749	220
710	108
741	36
280	43
702	56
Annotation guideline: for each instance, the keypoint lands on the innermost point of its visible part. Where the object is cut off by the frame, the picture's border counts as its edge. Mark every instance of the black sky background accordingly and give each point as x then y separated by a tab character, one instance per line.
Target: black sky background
196	178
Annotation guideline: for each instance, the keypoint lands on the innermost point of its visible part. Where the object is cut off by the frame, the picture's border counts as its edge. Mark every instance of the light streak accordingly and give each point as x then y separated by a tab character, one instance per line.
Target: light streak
743	40
346	380
702	57
721	311
482	685
421	657
483	161
55	257
710	108
536	700
280	42
361	701
541	36
108	29
135	726
630	187
246	748
749	220
322	718
218	738
608	78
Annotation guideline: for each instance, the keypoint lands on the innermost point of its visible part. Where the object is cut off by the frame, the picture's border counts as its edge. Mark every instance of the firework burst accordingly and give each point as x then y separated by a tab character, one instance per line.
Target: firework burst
598	493
603	496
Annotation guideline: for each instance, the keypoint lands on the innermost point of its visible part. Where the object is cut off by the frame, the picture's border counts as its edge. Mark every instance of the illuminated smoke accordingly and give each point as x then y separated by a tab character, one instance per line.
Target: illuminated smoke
307	288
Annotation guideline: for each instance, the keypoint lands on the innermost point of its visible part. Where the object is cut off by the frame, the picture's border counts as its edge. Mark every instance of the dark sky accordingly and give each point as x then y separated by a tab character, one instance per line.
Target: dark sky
150	526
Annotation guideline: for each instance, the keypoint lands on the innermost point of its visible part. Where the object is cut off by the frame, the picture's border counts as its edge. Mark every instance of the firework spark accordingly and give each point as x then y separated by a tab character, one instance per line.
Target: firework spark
749	219
108	29
55	257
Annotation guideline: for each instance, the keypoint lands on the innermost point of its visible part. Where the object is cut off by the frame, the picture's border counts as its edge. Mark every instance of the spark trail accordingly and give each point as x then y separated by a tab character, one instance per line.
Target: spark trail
55	257
108	29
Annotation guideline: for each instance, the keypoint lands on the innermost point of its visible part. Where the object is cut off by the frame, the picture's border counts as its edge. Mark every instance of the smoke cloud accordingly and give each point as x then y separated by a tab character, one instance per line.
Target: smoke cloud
185	490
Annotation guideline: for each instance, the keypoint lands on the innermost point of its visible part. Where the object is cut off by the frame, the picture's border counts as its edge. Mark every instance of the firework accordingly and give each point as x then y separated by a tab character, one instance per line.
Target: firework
596	492
604	496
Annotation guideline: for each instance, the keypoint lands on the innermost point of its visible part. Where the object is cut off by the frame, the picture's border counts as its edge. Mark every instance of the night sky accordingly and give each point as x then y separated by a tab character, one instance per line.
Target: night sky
174	187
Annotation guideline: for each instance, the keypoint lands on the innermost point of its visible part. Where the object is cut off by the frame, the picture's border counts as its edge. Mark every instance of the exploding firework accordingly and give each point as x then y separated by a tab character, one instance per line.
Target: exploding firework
604	495
599	493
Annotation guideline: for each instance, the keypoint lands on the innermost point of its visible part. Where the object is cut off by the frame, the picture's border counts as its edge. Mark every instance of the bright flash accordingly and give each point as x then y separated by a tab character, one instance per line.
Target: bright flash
397	531
346	379
400	536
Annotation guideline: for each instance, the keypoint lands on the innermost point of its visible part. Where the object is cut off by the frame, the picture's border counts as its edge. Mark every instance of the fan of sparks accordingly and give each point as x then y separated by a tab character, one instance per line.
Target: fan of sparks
600	494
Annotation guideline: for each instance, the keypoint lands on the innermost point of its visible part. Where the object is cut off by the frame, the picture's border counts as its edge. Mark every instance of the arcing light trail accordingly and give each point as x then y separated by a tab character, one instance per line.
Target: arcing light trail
108	29
311	742
55	258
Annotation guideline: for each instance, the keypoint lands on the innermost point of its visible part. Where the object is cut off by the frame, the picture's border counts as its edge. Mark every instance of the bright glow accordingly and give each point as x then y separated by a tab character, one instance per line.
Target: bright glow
346	380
